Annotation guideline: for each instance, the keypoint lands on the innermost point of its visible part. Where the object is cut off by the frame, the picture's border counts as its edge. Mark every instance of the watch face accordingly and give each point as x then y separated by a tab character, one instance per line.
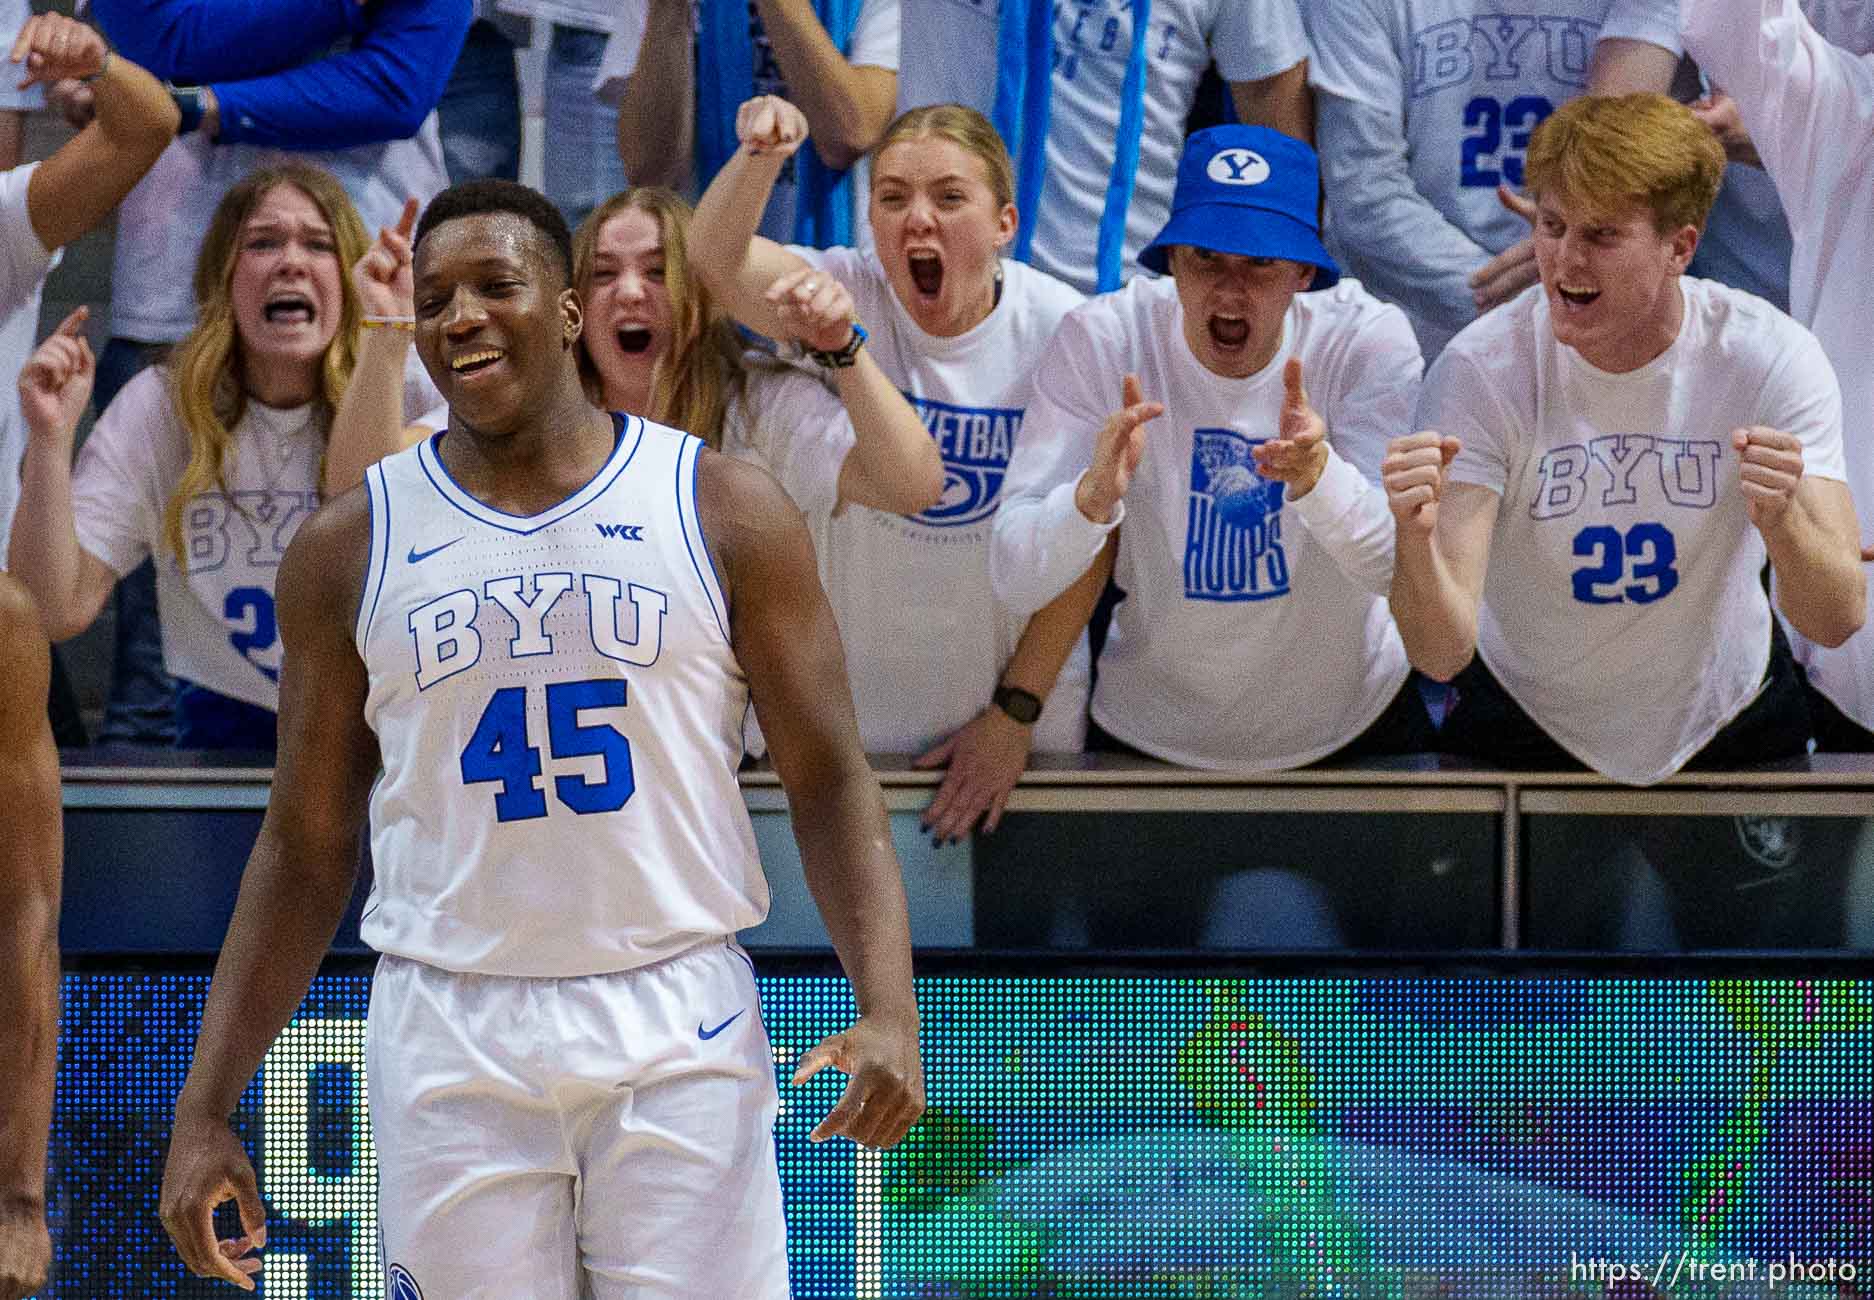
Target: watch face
1023	706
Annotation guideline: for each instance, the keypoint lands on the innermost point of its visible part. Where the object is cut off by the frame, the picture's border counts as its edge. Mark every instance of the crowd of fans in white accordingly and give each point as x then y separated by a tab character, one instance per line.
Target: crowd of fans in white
1026	305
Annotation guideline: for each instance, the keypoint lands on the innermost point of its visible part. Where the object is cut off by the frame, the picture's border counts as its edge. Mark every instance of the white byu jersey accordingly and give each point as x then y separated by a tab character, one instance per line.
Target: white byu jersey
560	715
1622	607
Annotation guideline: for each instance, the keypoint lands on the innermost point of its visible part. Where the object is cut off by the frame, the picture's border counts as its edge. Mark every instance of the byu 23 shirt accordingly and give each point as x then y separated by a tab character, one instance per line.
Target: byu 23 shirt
1622	607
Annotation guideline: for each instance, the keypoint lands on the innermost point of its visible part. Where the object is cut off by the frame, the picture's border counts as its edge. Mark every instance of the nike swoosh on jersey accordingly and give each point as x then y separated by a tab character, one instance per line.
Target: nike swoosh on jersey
707	1034
417	557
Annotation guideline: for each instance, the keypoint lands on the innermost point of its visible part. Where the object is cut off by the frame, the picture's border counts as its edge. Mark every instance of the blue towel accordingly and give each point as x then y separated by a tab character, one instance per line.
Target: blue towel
1024	86
725	76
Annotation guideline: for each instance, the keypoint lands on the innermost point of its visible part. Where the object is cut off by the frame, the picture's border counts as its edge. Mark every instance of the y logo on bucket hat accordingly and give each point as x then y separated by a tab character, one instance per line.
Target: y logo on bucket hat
1250	191
1237	166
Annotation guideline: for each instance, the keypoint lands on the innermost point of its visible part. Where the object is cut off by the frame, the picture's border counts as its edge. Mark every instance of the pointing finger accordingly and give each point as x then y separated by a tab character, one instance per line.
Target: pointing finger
407	222
1130	392
1294	395
73	326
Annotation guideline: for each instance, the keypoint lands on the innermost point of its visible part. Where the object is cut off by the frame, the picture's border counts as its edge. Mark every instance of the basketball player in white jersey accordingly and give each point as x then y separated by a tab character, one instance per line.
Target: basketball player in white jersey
1613	454
29	940
548	623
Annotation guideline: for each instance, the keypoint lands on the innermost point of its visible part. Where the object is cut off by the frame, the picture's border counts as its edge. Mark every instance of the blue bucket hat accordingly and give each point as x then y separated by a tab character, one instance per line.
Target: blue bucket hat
1246	190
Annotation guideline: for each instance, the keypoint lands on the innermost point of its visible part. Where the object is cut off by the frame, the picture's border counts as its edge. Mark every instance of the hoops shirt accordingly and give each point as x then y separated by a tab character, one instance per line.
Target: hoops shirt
560	716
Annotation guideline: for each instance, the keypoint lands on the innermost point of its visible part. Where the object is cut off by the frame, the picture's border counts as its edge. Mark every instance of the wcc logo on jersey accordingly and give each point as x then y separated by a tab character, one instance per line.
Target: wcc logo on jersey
975	442
1233	540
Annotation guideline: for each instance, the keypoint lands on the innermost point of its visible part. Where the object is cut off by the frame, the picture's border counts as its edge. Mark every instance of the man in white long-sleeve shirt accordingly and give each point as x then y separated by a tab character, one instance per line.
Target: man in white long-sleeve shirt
1255	551
1809	107
1425	108
1245	525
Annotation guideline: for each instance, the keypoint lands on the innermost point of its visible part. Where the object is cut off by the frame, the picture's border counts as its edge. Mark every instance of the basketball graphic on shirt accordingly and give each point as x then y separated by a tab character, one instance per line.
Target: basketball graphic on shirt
975	443
1233	545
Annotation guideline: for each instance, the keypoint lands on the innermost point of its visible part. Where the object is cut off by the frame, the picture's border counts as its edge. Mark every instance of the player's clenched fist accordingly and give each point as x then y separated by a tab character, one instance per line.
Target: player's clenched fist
1298	453
1768	472
56	381
1116	454
768	124
1414	475
885	1085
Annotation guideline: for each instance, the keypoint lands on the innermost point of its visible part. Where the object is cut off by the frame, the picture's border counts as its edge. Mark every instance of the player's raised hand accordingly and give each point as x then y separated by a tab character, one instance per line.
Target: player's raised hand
25	1250
1514	269
1768	472
1298	453
982	759
815	308
768	124
207	1166
382	276
884	1086
55	383
1414	474
53	46
1116	454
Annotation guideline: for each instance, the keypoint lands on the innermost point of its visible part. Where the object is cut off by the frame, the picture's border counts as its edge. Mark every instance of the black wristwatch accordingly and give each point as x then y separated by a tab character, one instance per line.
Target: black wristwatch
1023	706
840	358
190	102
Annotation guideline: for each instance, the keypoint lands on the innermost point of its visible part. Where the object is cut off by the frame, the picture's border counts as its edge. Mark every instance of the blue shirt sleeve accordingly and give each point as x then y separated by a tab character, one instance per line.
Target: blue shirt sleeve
213	40
380	89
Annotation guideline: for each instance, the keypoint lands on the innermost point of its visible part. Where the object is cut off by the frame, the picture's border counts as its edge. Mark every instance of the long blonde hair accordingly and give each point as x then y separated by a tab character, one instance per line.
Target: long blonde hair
206	383
702	369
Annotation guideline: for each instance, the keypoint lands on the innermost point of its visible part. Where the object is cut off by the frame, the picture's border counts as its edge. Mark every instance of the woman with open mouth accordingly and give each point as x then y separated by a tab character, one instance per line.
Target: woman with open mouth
938	668
212	460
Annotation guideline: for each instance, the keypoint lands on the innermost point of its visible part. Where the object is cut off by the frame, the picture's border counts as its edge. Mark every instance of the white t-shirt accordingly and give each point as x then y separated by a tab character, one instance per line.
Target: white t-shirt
1255	641
217	618
24	264
925	639
1747	240
1425	107
874	44
162	221
950	56
1809	107
1622	606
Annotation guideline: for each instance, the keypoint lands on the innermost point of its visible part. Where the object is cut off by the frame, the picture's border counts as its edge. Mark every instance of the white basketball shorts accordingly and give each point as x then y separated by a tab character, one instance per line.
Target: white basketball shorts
609	1137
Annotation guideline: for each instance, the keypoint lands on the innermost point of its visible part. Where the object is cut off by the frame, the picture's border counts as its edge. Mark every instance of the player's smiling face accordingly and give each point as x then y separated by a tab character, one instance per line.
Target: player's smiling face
287	288
493	317
940	232
627	307
1611	278
1234	306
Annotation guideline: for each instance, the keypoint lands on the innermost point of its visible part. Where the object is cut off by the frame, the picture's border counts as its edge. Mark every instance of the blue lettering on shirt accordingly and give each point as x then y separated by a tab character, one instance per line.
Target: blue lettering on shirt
975	443
1514	49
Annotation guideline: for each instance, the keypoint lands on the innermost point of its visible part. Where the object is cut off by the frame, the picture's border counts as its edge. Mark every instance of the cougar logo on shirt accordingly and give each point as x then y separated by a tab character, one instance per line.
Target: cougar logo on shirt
1233	540
1237	167
975	442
